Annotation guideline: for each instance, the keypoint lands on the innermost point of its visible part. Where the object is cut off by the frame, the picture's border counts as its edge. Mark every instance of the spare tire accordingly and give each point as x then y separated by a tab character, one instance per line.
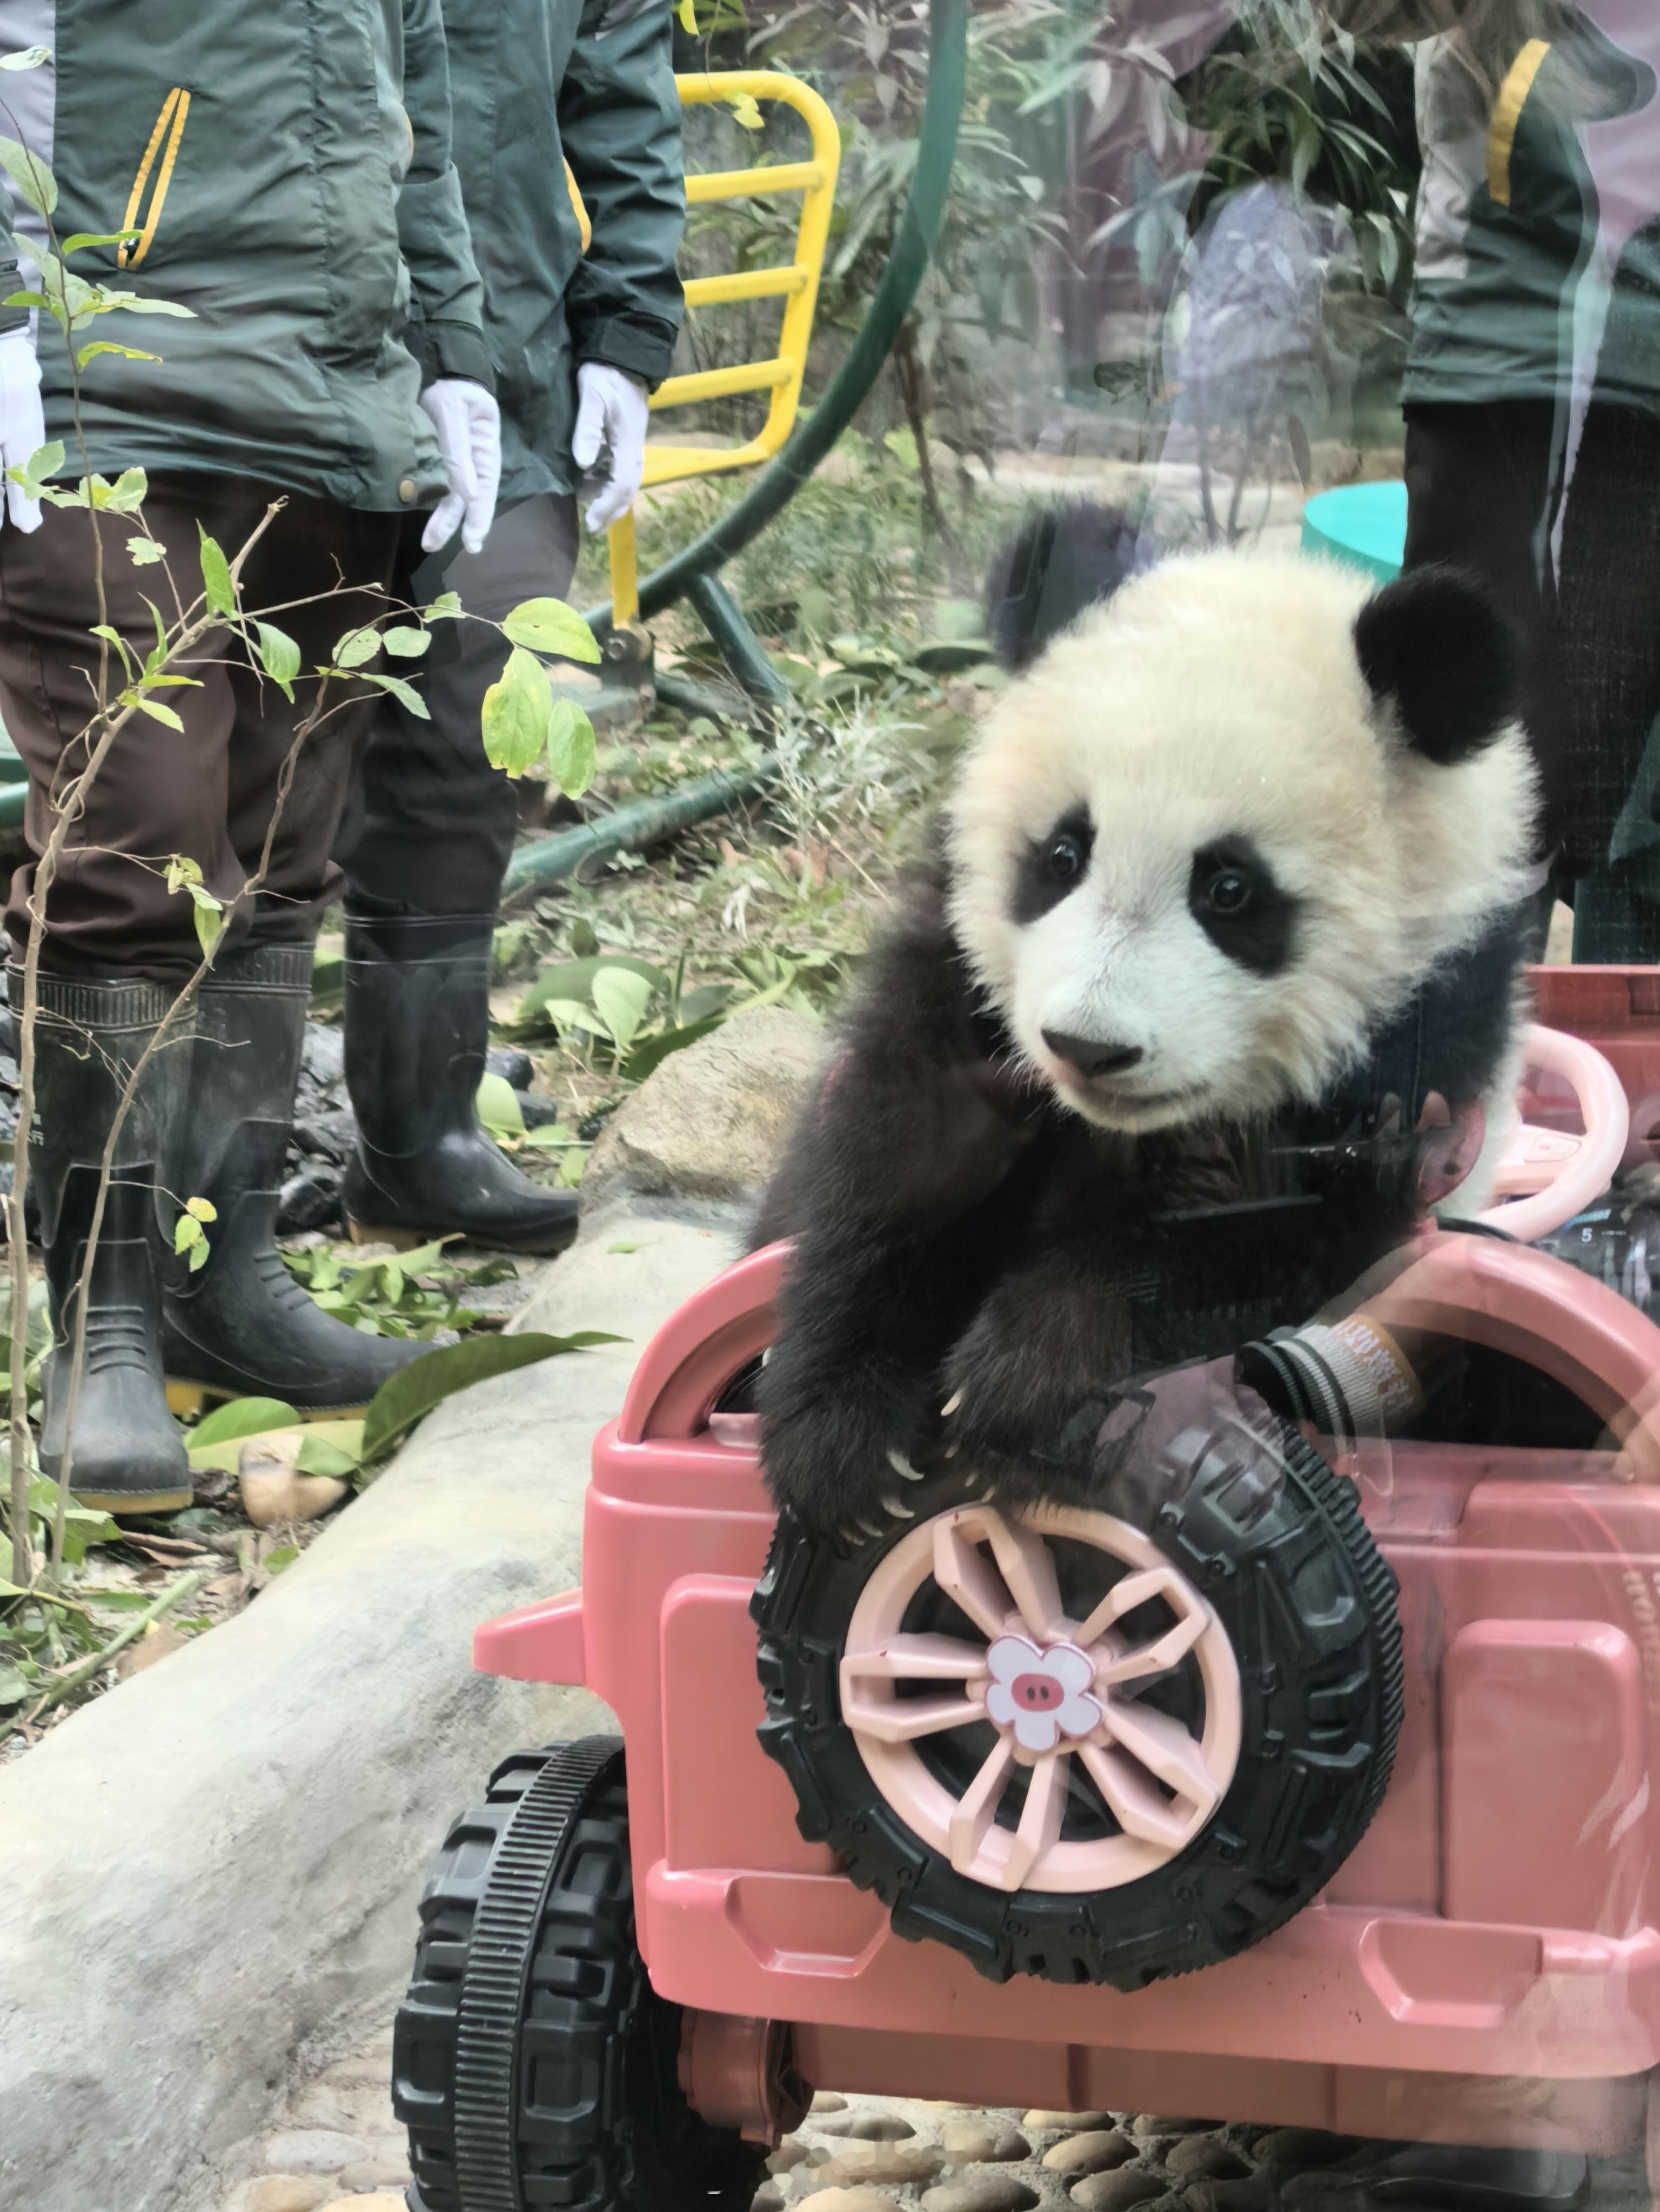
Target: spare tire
1103	1742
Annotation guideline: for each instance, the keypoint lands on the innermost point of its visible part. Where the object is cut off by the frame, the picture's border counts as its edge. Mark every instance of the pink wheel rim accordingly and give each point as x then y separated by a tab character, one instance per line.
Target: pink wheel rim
1054	1691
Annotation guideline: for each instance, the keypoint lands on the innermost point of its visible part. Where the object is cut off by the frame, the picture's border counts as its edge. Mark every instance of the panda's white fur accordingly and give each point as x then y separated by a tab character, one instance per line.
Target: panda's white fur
1215	697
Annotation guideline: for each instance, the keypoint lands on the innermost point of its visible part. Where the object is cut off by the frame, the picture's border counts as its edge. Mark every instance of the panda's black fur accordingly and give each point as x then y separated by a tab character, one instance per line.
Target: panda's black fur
979	1270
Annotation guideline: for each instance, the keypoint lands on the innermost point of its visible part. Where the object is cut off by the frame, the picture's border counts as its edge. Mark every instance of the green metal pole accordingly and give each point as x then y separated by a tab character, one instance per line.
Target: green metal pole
633	828
919	227
740	649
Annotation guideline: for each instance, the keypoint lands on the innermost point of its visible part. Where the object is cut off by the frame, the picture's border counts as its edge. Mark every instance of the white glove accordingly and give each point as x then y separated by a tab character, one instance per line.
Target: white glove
469	427
22	425
610	411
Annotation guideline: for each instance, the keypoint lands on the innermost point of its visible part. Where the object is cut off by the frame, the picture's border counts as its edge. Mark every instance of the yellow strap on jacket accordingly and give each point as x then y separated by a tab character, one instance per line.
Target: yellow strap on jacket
583	223
1507	113
175	108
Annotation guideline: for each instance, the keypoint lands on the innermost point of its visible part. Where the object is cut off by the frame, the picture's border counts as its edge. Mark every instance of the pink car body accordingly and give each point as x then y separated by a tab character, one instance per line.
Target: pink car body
1485	1966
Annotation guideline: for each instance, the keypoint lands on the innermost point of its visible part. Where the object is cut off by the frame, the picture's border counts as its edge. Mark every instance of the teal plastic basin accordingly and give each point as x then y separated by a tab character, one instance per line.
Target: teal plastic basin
1363	526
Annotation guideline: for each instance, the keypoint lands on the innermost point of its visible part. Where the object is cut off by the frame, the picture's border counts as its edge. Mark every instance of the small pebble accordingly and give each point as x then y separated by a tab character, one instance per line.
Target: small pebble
1097	2151
284	2192
1041	2118
376	2173
882	2161
1117	2192
1292	2150
976	2141
1154	2123
1252	2193
768	2197
853	2200
980	2192
315	2150
1202	2158
826	2100
789	2153
329	2106
358	2073
867	2127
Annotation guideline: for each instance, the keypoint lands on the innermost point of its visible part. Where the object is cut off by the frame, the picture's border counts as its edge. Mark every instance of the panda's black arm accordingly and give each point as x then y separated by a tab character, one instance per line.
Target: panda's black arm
894	1190
1032	1377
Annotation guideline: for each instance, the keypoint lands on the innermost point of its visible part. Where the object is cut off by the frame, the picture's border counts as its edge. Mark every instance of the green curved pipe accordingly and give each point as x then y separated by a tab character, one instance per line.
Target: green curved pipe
919	227
630	828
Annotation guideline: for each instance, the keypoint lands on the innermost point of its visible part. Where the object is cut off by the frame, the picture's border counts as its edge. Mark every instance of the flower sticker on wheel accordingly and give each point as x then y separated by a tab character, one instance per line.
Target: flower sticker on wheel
1041	1692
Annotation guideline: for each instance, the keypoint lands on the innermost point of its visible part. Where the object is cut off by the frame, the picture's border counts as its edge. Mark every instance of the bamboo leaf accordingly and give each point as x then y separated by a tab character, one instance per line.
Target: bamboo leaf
215	575
517	714
550	626
404	693
357	647
279	656
408	1396
33	179
571	752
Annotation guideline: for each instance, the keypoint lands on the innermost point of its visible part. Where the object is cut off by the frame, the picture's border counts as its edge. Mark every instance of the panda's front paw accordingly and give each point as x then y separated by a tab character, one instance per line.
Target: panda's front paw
834	1471
1027	1429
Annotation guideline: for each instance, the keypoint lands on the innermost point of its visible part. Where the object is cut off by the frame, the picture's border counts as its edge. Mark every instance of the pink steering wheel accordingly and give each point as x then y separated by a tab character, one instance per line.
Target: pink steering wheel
1548	1176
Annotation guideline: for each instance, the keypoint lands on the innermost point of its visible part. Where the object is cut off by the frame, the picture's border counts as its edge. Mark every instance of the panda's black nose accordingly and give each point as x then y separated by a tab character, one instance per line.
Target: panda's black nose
1093	1056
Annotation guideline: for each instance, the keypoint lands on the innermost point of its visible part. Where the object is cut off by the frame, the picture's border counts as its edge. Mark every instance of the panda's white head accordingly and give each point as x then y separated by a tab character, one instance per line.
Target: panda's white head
1229	821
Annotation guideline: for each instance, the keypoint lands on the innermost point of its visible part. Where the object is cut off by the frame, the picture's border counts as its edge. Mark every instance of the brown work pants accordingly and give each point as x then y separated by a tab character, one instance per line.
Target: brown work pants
209	791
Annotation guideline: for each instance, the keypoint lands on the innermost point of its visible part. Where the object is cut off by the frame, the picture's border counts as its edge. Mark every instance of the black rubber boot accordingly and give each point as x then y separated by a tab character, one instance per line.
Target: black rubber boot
241	1323
417	1027
127	1456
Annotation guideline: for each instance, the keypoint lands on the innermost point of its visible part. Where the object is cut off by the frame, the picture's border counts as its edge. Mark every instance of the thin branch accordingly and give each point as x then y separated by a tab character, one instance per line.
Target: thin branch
95	1662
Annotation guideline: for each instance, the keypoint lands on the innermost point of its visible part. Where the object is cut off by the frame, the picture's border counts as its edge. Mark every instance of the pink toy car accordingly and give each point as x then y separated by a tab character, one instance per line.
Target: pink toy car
1004	1734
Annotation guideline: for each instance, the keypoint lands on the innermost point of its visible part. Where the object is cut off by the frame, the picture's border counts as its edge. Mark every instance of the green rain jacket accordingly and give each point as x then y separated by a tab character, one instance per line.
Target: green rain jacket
1508	205
289	163
536	84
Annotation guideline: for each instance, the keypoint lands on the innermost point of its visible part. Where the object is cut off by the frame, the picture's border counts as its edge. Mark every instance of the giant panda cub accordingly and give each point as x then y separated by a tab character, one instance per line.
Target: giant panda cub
1212	991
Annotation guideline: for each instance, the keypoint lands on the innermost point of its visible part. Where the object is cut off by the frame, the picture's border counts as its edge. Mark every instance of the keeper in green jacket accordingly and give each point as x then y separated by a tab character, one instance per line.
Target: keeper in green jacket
287	172
543	95
1532	398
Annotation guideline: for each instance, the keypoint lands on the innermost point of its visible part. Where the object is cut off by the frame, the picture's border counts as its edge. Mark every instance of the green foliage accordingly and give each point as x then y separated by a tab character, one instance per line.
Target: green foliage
525	725
411	1297
1286	95
241	1417
411	1395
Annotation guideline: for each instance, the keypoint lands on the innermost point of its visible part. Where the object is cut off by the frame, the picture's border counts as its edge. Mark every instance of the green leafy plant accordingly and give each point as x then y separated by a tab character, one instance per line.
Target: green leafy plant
411	1296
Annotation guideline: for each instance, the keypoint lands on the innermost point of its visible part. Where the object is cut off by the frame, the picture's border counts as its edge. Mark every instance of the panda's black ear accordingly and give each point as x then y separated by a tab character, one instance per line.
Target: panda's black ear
1434	644
1054	566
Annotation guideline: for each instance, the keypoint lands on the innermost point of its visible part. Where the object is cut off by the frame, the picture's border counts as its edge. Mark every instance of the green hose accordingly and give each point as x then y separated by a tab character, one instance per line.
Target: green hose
648	821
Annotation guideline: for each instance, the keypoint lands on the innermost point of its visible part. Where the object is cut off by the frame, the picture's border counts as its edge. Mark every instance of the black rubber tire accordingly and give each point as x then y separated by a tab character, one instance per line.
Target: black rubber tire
537	2067
1309	1604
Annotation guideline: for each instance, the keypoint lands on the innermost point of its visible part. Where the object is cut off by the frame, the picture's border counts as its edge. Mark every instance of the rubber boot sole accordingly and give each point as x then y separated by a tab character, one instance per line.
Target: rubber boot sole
411	1240
118	1502
189	1401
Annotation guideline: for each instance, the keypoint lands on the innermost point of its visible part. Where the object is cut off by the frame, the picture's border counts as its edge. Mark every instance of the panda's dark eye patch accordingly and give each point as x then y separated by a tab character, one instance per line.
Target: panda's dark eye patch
1234	897
1053	865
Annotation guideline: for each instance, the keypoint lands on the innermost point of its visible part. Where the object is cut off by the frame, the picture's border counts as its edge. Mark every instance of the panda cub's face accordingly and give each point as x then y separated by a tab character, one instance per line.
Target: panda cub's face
1227	823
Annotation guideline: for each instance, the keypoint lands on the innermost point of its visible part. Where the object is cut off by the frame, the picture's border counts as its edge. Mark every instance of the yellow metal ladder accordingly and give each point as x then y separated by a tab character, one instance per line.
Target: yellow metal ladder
796	283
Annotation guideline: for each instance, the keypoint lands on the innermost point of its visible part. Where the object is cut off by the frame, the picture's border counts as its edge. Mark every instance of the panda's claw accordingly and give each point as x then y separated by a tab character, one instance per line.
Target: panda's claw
897	1508
902	1466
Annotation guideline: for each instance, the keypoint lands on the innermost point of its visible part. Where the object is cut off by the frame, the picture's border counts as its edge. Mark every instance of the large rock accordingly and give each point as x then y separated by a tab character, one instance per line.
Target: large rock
712	1122
216	1864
